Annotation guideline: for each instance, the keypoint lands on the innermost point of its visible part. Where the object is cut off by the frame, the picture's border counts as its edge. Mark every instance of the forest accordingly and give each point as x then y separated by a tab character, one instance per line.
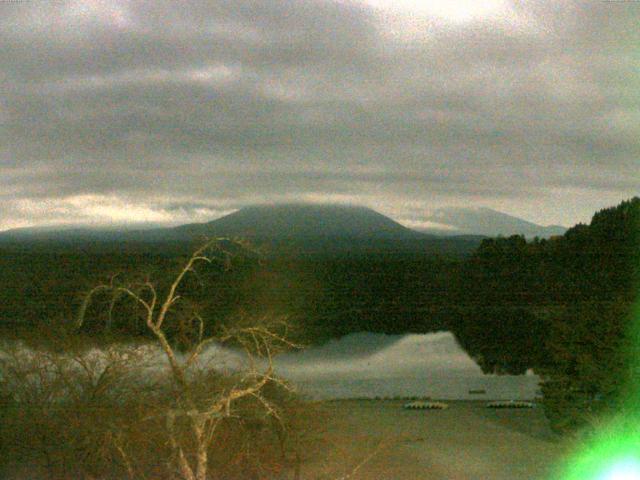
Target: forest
560	306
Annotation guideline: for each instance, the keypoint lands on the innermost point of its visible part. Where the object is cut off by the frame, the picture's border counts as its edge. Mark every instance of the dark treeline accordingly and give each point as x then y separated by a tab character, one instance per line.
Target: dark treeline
44	282
562	306
325	293
543	279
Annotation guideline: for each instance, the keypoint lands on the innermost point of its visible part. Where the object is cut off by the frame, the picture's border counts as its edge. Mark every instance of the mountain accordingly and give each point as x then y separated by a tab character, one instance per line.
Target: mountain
304	221
327	229
287	228
488	222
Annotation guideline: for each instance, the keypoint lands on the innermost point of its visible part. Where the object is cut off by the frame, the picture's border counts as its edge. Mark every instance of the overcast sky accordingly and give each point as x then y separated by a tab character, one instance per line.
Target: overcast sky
163	111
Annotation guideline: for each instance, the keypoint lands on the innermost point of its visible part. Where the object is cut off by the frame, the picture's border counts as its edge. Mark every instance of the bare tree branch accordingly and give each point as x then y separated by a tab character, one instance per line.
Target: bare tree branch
202	417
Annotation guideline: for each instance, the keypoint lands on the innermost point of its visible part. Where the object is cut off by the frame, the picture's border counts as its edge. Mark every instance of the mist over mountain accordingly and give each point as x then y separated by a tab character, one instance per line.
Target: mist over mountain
304	221
487	222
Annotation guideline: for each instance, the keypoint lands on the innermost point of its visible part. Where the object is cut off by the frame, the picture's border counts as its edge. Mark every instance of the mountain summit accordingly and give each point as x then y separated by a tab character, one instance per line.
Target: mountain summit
300	221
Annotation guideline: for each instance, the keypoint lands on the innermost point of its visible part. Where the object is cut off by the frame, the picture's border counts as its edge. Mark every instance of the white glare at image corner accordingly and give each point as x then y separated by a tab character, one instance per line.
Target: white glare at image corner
627	469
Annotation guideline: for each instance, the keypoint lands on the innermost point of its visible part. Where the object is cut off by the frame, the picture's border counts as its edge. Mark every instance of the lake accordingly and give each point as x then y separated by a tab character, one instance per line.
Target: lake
369	365
364	365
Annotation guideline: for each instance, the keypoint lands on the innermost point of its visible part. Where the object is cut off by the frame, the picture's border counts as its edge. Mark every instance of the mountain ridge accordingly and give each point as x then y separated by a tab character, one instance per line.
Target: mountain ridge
298	220
488	222
304	221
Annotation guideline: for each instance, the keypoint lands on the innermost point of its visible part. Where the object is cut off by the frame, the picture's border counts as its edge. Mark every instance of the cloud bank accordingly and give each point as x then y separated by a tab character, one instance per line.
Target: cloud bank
124	111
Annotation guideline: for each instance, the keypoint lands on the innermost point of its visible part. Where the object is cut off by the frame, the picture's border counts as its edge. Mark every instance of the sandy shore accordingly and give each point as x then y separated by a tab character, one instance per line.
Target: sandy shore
465	442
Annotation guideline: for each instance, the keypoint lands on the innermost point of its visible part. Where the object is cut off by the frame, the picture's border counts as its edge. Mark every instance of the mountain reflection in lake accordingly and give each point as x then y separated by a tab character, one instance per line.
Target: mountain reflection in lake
359	365
376	365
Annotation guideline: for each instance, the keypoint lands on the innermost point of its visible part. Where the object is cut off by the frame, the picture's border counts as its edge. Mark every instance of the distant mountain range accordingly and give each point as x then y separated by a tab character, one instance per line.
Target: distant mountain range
486	222
278	221
288	228
317	227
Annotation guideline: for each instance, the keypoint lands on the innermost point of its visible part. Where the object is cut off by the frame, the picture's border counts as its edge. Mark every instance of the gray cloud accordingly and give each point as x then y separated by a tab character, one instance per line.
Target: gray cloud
213	104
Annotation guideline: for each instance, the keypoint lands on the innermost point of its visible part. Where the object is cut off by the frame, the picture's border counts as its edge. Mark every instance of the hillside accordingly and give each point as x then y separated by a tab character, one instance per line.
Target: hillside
488	222
304	221
324	229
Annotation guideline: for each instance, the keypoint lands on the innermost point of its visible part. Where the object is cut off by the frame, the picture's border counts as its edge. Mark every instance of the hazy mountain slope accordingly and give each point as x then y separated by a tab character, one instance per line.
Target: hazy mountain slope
485	221
304	221
289	228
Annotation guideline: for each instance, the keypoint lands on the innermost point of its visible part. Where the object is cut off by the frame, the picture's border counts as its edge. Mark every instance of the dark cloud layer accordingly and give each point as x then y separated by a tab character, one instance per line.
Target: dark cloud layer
164	112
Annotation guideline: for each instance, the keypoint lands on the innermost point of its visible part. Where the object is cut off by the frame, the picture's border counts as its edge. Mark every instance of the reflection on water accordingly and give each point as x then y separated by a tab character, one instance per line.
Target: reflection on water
375	365
361	365
509	387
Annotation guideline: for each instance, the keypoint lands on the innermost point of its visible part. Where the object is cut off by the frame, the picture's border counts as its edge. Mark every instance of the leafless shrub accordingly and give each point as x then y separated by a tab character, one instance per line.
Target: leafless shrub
59	408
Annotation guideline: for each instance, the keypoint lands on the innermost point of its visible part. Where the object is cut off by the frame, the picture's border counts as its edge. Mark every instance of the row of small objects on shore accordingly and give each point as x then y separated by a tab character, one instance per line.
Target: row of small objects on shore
425	405
511	404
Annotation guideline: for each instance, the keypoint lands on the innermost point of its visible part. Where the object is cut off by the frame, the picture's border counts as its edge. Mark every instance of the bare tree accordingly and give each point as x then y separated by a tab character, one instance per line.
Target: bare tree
78	408
202	415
